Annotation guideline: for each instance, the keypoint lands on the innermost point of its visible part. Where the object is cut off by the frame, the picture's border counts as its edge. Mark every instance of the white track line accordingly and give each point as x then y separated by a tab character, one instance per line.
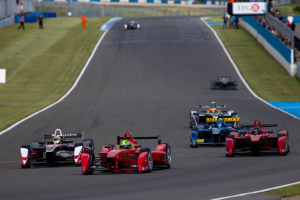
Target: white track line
70	90
256	192
241	77
245	83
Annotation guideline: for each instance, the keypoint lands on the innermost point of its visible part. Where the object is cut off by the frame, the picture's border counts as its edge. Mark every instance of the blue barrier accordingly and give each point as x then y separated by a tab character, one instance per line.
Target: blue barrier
296	19
33	17
270	38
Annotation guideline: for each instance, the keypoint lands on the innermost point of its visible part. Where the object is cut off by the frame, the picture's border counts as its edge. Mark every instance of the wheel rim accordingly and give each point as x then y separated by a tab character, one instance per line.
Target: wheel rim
150	161
169	156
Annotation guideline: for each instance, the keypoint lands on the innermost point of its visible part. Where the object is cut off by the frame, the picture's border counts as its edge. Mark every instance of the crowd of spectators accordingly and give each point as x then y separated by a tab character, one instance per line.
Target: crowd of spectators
278	34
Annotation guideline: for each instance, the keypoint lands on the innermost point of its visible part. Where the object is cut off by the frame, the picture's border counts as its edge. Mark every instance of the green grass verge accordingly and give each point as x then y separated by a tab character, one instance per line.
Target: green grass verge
131	11
290	191
41	65
266	77
288	9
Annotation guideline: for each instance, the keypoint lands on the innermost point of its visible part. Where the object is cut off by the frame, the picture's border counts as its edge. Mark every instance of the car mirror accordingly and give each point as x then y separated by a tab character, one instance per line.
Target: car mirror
138	146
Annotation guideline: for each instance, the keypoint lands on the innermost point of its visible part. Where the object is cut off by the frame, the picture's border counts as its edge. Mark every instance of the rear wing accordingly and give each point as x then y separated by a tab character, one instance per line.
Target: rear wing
262	125
226	119
158	138
208	106
70	135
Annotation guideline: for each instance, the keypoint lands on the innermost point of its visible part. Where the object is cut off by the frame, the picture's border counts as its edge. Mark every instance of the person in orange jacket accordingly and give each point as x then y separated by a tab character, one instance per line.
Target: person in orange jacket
22	21
83	20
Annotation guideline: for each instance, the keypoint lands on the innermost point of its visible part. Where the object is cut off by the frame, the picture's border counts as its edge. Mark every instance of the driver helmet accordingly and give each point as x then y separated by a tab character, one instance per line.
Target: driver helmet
256	131
219	124
57	140
125	144
213	104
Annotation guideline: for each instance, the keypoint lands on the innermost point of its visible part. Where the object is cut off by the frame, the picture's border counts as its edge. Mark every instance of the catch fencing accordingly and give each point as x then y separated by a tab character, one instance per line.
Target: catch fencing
102	10
281	27
10	8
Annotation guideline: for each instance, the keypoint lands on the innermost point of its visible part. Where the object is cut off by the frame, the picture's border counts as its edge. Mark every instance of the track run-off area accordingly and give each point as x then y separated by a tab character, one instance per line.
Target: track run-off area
146	82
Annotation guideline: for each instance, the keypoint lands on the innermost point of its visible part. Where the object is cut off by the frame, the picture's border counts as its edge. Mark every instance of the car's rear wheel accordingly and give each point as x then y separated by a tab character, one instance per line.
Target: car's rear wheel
168	153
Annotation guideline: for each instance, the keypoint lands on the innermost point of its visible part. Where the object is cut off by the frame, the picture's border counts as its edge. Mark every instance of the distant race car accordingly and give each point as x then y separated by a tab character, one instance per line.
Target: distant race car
213	134
257	141
128	157
55	152
223	82
199	117
132	25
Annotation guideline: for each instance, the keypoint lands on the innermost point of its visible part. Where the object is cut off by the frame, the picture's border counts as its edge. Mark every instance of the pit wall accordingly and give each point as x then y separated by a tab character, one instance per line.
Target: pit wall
283	54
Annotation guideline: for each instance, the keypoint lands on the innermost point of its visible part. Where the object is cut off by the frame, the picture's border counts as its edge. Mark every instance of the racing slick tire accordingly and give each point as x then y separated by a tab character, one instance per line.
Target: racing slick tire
212	86
29	150
89	143
150	159
169	157
92	159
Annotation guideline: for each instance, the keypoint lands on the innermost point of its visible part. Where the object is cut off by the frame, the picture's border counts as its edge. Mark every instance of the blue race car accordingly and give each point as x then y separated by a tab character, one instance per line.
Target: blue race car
213	133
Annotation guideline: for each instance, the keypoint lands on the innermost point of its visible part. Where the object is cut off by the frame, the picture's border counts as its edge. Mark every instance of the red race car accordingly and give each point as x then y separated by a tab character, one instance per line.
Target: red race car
127	156
257	141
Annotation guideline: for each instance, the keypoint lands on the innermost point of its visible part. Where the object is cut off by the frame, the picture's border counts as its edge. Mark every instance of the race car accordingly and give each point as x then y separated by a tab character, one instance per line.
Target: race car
127	156
199	117
213	134
223	82
56	151
258	141
132	25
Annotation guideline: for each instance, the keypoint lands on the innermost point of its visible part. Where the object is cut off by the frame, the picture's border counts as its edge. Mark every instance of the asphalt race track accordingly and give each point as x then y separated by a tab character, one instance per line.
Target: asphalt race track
146	81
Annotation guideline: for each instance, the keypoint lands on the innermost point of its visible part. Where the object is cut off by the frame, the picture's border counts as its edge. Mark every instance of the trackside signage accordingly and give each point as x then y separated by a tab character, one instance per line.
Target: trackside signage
256	8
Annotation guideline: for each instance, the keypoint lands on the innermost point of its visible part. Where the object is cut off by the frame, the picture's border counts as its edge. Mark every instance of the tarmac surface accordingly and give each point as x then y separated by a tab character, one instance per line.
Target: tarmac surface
146	82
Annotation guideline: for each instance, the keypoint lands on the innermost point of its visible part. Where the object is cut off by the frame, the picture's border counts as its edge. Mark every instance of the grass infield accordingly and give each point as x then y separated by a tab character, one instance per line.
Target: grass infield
41	65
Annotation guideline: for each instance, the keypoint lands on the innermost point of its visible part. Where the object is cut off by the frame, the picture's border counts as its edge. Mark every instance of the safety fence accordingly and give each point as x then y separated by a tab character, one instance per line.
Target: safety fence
101	10
283	54
7	22
281	27
10	8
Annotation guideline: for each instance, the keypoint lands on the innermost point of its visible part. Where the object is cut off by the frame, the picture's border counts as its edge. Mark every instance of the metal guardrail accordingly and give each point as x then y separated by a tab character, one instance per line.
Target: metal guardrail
7	22
281	27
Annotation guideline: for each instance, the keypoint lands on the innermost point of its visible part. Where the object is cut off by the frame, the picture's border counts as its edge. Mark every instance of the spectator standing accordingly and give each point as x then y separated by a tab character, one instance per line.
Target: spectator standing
83	20
225	21
236	22
22	21
40	21
288	23
293	26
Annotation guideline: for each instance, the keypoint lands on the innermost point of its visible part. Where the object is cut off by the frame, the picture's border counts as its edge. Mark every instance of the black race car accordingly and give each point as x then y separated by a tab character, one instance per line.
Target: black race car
132	25
223	82
56	151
